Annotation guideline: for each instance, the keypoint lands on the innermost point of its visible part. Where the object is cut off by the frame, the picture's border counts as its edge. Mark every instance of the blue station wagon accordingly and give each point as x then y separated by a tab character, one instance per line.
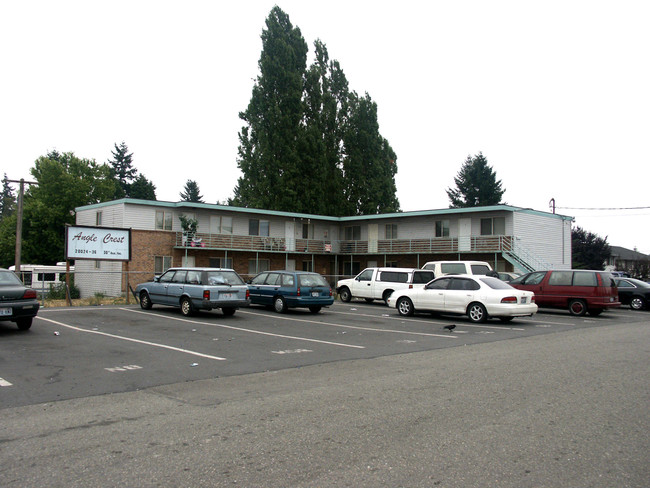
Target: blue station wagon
285	289
194	289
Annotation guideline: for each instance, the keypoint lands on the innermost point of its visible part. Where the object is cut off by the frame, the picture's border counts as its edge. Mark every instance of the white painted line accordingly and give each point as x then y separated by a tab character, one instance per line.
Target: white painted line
371	329
251	331
138	341
4	382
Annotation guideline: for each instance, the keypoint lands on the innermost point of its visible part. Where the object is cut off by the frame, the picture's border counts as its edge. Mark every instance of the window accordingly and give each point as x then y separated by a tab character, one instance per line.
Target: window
258	265
226	225
421	277
584	278
351	269
179	277
259	279
98	264
391	231
352	233
273	279
440	284
194	277
258	227
442	228
220	263
163	220
98	218
561	278
493	226
453	268
162	264
307	231
366	275
463	284
307	266
394	276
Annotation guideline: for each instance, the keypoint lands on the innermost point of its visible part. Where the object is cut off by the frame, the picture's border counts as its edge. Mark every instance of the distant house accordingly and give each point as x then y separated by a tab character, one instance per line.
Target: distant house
253	240
632	262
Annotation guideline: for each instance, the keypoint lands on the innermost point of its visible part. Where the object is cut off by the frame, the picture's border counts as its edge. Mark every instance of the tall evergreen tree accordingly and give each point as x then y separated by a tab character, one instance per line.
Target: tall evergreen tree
142	189
122	164
7	199
191	192
476	185
269	154
369	166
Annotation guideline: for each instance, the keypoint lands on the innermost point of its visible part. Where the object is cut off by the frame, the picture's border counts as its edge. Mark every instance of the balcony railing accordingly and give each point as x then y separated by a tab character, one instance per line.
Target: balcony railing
477	244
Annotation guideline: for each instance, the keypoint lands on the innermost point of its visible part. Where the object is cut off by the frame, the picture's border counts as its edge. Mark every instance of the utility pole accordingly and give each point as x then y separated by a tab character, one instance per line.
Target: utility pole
19	220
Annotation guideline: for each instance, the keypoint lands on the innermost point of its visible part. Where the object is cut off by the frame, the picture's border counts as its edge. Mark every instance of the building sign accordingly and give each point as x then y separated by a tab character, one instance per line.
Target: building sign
99	243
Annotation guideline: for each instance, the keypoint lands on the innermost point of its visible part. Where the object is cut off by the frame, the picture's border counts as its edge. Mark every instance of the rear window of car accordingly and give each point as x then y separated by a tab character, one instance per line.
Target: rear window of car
496	283
456	268
394	276
480	269
224	278
312	280
9	278
463	284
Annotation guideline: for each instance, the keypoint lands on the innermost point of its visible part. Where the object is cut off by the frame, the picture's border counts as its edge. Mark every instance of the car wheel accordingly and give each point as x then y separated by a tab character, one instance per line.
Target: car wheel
595	312
577	307
228	311
477	312
186	307
345	295
636	303
24	323
314	309
405	306
280	305
386	296
145	300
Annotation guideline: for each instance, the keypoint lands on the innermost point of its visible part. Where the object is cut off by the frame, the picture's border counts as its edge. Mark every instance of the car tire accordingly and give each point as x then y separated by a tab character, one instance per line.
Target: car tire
578	307
405	306
637	303
345	295
24	323
228	311
145	300
186	307
279	304
314	309
477	313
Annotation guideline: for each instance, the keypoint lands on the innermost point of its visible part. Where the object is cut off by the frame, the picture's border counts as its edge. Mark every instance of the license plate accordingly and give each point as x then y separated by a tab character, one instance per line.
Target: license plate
315	294
5	311
523	299
226	296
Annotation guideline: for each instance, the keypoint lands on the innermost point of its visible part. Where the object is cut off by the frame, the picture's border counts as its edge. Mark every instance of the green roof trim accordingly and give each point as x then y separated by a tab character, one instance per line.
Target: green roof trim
355	218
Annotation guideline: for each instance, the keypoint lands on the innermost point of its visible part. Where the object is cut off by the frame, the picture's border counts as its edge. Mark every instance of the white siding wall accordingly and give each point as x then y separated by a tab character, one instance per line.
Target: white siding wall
549	238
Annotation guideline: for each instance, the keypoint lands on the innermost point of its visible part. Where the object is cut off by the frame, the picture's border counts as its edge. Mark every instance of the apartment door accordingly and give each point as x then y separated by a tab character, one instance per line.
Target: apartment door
464	234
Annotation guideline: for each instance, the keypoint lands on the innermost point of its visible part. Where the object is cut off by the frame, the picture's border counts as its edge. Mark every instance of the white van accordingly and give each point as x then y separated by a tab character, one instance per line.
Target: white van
379	283
441	268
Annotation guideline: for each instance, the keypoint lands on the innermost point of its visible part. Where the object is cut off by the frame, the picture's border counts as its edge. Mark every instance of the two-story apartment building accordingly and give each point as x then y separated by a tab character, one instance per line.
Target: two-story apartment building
252	240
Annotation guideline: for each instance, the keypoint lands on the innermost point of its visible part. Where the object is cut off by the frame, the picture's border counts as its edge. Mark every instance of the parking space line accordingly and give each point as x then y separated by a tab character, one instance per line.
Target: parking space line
4	382
399	317
221	326
356	327
129	339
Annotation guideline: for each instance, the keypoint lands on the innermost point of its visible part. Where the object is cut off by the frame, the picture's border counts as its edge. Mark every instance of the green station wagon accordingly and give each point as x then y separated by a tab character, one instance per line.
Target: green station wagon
285	289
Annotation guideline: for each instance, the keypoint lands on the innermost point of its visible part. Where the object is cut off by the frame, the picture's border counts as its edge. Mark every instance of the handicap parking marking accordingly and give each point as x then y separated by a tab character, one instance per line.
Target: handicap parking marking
250	331
356	327
130	339
4	382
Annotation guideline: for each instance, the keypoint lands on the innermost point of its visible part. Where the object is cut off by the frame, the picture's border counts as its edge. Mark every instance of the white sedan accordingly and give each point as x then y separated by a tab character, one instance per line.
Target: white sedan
478	297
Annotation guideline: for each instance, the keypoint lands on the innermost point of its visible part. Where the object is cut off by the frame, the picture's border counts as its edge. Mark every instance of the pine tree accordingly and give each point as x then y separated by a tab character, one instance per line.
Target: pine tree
122	164
476	185
142	189
589	251
191	192
7	199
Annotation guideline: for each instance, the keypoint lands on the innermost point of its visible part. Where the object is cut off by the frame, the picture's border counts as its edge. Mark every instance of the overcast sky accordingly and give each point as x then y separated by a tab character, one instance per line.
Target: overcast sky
555	94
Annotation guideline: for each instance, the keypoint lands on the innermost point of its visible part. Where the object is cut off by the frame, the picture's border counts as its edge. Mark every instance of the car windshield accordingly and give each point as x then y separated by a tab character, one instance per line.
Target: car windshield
224	278
496	283
312	280
9	278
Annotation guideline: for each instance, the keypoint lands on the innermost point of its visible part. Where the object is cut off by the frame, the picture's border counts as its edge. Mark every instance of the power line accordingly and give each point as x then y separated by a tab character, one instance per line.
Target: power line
603	208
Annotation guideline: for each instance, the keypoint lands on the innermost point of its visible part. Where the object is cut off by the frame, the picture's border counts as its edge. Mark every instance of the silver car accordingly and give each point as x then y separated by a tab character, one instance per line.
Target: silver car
194	289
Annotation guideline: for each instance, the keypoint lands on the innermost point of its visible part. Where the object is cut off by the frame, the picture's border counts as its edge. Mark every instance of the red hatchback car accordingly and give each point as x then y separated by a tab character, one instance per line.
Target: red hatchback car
579	291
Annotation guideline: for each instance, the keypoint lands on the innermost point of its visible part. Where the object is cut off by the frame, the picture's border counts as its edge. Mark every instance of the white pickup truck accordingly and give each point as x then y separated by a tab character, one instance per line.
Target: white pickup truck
378	283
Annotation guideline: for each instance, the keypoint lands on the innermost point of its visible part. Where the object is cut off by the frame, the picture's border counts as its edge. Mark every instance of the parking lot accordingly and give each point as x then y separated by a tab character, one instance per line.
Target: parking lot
79	352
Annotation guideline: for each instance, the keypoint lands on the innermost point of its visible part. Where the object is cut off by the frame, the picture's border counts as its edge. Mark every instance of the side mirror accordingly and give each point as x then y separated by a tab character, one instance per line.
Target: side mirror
156	279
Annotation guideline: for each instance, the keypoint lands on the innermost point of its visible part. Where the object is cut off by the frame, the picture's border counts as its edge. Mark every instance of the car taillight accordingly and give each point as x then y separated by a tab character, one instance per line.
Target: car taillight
532	299
248	293
29	293
509	300
410	287
298	291
206	294
330	292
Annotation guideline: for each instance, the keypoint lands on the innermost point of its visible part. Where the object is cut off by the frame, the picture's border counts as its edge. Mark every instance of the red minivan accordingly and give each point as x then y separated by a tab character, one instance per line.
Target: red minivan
579	291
